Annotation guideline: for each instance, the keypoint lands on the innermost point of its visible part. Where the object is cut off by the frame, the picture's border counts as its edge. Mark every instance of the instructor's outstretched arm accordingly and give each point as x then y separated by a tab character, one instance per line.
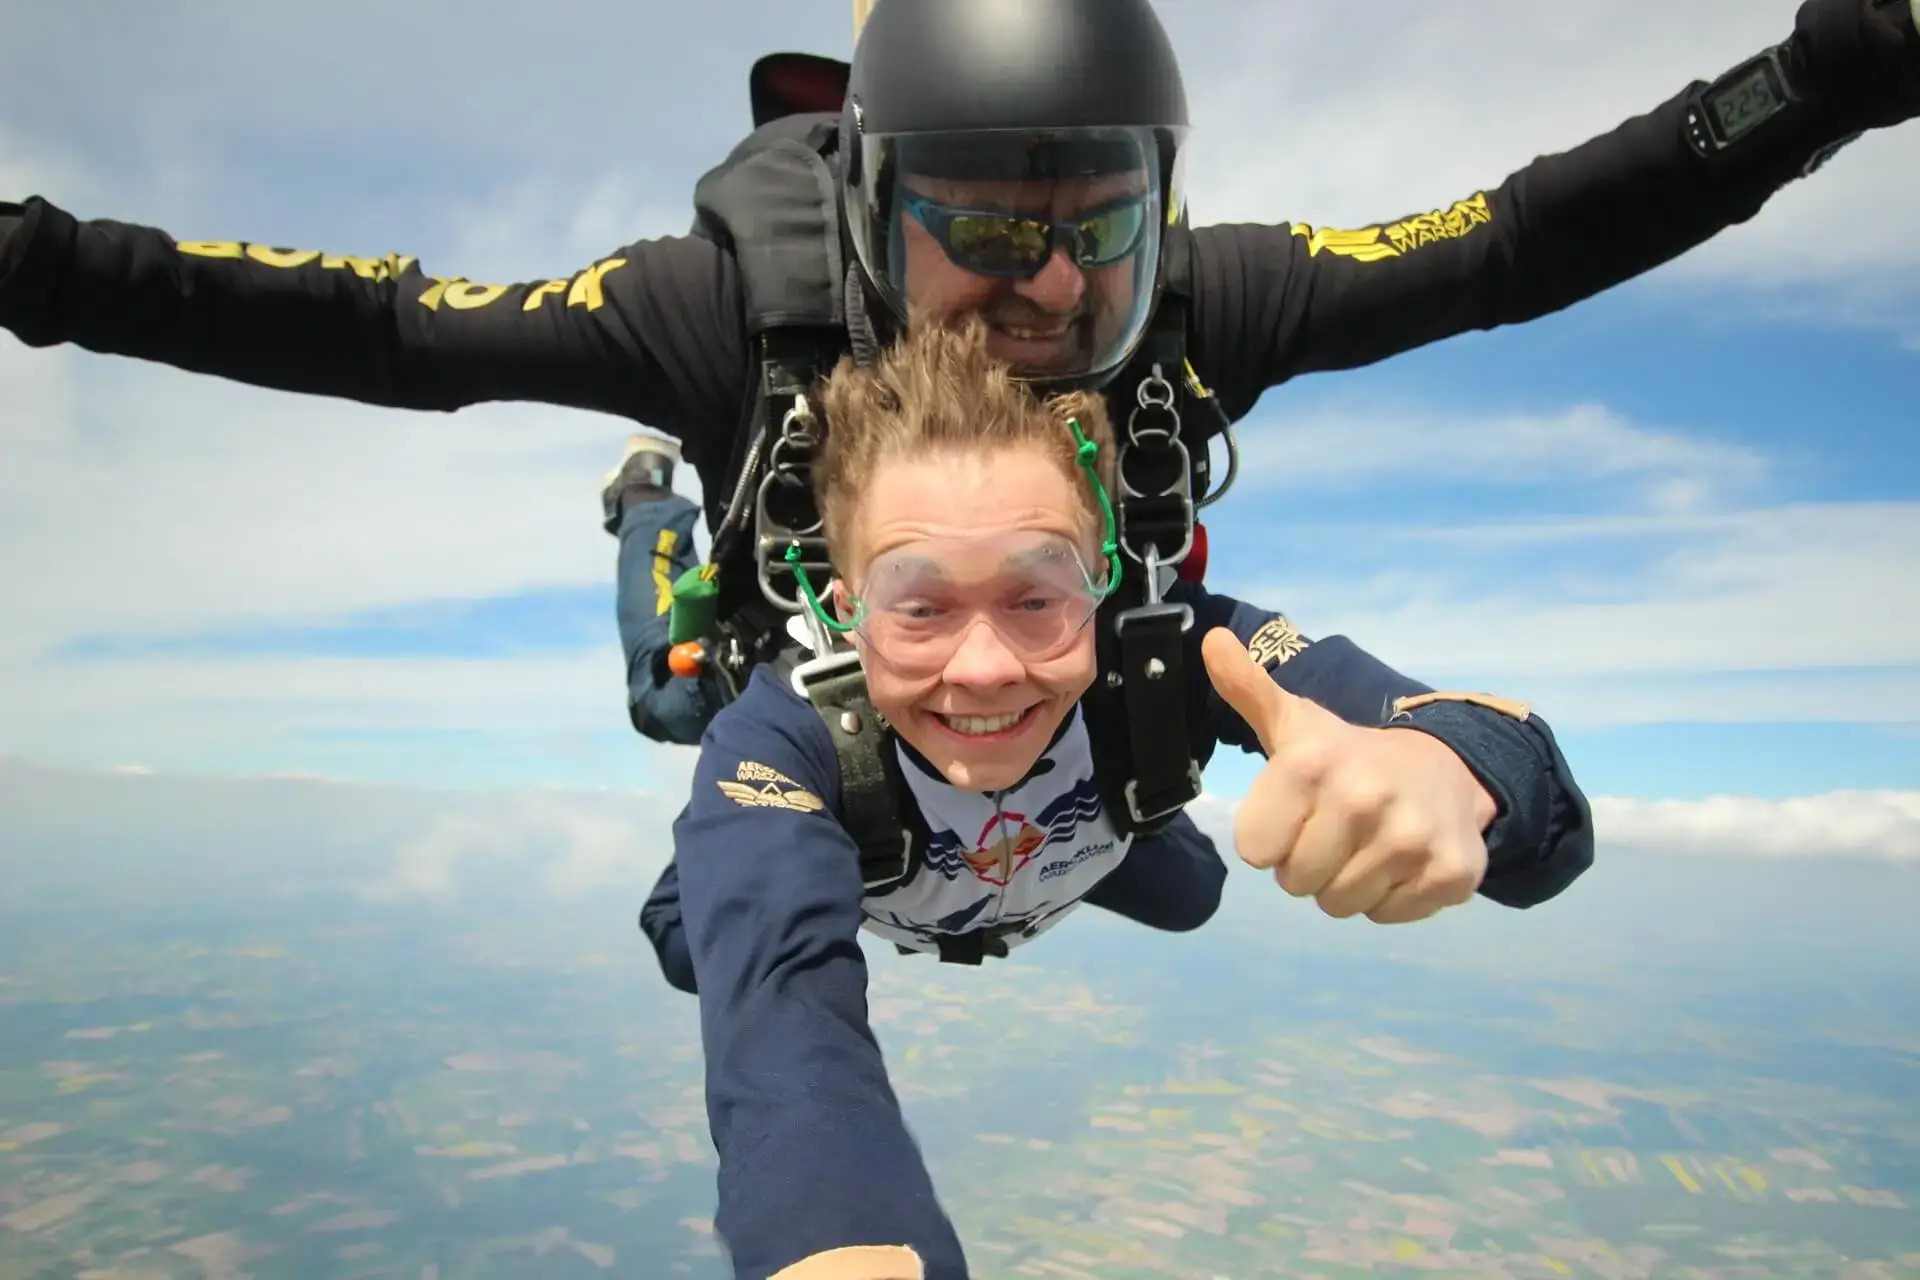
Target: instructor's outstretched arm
1276	301
650	331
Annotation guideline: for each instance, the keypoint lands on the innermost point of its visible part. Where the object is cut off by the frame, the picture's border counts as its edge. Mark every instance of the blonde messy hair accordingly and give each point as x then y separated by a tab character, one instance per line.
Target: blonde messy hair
937	390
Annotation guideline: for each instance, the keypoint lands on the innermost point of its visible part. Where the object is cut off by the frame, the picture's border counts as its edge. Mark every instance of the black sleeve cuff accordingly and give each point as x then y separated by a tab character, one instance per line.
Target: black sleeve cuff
33	253
1541	837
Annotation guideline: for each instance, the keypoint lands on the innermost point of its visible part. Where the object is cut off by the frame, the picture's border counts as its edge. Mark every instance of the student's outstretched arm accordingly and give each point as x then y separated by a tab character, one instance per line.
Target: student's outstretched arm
814	1153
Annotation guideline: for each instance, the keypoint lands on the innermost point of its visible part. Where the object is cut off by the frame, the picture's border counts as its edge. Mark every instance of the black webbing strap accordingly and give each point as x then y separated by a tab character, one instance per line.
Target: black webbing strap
975	945
1137	713
1152	649
870	788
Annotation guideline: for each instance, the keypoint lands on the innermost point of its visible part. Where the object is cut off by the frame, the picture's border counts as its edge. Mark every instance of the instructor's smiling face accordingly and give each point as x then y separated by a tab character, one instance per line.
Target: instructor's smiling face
1053	322
981	552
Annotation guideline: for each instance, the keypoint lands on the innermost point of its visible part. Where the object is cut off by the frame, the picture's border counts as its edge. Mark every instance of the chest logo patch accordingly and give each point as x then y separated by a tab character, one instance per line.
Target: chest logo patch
1006	844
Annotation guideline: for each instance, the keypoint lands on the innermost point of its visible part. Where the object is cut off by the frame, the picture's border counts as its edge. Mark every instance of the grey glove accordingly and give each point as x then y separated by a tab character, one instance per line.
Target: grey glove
1857	61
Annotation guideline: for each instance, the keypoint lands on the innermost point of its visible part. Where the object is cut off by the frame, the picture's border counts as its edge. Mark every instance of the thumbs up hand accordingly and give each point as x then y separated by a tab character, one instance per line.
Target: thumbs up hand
1385	823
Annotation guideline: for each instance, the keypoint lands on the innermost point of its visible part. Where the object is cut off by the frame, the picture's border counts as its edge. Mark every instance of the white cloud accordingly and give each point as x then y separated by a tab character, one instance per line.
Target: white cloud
1362	445
1213	814
1883	825
433	720
1307	115
174	501
157	835
533	227
1865	697
544	839
531	693
1875	825
138	501
1302	114
30	164
426	864
1788	613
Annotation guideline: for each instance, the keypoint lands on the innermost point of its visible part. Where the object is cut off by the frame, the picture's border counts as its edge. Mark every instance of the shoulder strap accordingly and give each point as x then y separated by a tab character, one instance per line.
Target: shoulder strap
774	203
874	805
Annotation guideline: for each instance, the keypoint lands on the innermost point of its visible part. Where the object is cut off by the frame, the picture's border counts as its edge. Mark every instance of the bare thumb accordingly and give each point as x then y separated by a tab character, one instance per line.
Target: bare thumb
1244	685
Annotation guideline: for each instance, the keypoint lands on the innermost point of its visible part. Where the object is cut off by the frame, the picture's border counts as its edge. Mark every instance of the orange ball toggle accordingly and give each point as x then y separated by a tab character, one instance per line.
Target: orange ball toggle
688	659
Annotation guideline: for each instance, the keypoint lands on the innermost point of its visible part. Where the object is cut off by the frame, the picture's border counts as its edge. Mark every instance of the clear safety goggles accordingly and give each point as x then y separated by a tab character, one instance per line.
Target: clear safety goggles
917	603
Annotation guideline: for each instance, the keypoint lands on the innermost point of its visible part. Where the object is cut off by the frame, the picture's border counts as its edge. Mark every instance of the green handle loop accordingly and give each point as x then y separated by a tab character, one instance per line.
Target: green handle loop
806	592
1085	452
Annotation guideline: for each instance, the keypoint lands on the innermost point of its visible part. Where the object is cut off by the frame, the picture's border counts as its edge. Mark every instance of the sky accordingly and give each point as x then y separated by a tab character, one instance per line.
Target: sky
1680	519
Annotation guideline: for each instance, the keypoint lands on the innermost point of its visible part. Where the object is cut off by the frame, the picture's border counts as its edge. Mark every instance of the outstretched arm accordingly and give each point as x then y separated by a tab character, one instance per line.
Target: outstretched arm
814	1152
1273	302
1168	880
651	331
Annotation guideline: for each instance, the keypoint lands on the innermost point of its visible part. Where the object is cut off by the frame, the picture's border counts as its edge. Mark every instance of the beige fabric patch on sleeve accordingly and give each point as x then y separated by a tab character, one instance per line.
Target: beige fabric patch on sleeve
1493	702
858	1262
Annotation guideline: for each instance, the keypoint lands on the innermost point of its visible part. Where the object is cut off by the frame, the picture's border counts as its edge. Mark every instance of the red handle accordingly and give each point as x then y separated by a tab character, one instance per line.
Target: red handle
1194	567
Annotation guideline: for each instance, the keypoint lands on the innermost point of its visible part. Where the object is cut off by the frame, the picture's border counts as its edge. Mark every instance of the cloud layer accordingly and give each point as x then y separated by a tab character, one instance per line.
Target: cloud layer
1883	825
1877	826
148	838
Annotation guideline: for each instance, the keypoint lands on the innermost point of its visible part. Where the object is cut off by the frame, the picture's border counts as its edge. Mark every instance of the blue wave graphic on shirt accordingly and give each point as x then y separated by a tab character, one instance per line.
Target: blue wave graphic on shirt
945	927
959	922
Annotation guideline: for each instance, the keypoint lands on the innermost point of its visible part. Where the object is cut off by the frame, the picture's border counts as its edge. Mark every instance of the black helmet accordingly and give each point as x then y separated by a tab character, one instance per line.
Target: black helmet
961	112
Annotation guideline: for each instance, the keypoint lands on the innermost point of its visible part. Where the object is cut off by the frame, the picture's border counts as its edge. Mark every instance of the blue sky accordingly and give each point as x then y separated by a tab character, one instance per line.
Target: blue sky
1681	518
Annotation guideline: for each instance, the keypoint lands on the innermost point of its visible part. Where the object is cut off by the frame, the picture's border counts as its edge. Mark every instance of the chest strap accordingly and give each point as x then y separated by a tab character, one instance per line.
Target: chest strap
971	947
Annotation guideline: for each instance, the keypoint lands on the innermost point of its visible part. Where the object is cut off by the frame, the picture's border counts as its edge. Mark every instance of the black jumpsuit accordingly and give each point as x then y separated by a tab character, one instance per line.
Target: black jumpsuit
654	331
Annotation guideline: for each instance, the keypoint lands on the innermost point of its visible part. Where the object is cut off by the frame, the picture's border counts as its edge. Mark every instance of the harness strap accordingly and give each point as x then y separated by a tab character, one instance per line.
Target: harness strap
971	947
873	798
1143	751
1165	777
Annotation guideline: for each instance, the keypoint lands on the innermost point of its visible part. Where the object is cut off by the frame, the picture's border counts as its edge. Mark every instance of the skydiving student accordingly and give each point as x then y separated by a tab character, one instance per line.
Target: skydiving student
971	538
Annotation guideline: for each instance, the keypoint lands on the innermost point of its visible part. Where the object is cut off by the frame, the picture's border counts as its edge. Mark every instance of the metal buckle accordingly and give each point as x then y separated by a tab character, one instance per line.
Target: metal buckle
1156	395
1133	798
900	873
1154	609
819	667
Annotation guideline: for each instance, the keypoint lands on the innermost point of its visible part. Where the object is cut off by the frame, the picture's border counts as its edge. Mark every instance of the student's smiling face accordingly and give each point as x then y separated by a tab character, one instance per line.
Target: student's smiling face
983	650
